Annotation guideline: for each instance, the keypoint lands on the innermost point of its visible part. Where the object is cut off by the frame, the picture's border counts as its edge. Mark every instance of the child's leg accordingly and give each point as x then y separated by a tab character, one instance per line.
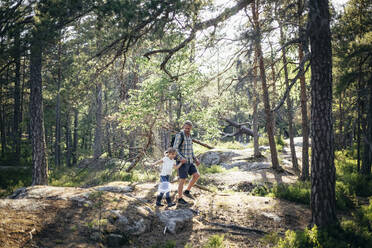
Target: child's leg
169	200
158	199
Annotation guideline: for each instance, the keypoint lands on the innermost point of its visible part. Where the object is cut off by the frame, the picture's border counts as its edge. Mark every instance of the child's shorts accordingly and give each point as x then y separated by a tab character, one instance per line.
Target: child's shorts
164	185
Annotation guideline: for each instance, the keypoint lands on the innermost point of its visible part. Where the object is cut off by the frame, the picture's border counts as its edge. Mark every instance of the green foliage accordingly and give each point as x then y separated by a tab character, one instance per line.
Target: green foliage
215	241
346	172
229	145
168	244
263	141
203	169
355	232
114	170
344	198
14	178
297	192
280	143
261	190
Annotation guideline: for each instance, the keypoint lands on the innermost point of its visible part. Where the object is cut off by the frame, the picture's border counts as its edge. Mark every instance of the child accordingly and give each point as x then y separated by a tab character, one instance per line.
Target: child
166	170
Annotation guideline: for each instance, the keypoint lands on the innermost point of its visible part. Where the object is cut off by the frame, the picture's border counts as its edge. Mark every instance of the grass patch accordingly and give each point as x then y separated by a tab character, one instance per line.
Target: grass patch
298	192
203	169
355	232
230	145
113	170
215	241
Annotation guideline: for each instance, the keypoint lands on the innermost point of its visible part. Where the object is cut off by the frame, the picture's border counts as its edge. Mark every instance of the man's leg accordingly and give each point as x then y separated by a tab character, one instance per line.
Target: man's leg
194	178
181	182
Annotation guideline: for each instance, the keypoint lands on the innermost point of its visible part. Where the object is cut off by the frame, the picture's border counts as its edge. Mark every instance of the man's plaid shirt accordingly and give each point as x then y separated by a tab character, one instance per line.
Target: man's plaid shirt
185	150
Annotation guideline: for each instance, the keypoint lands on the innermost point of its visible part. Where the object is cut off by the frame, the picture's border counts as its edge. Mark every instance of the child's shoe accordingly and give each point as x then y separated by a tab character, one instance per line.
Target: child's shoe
170	203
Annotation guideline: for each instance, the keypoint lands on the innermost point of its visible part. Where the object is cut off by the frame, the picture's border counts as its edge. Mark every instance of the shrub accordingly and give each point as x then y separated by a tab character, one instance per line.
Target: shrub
298	192
355	232
14	178
215	241
344	198
260	190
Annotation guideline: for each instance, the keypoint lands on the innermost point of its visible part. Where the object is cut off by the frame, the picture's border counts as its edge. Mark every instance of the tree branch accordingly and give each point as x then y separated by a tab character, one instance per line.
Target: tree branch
294	80
227	13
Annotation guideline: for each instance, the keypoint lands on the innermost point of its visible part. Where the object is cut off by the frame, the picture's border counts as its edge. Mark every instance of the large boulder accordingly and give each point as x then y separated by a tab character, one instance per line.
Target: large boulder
175	220
242	159
223	156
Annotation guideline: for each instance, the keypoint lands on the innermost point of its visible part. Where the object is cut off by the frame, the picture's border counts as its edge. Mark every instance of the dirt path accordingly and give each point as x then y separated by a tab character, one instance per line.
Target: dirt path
62	218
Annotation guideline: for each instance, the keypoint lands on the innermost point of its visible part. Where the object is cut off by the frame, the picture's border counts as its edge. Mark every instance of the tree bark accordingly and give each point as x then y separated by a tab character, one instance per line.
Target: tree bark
39	158
2	120
255	106
274	92
323	201
266	100
341	124
57	145
68	139
75	145
107	127
289	105
98	131
108	140
305	122
17	96
367	152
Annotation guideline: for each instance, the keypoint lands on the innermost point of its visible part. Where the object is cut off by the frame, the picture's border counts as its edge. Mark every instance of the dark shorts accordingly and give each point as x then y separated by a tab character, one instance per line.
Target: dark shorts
186	169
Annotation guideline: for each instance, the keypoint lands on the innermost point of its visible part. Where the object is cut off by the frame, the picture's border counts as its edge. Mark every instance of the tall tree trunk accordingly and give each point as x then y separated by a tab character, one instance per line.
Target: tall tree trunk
255	105
274	92
341	123
266	100
97	150
289	104
323	200
108	139
367	152
2	120
359	120
17	98
39	159
57	146
68	139
108	128
305	121
75	145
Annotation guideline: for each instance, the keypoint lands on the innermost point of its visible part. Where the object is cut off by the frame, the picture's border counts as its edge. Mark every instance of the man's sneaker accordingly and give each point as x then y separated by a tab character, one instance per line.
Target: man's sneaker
182	201
187	194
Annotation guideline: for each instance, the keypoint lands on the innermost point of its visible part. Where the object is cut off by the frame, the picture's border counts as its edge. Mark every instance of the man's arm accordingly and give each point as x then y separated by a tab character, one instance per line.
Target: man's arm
197	162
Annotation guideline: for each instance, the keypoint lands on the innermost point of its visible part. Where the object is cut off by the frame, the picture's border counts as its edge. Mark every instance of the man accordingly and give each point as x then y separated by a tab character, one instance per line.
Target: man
185	153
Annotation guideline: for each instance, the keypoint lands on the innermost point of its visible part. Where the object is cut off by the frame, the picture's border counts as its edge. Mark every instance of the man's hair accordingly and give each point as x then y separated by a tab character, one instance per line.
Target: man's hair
187	123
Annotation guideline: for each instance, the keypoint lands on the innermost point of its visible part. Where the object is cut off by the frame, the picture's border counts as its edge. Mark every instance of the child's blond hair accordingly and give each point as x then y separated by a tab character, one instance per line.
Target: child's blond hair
170	150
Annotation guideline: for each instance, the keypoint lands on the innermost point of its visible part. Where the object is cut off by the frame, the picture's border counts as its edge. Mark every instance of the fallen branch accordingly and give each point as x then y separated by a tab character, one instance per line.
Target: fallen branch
235	227
202	144
242	128
202	187
222	231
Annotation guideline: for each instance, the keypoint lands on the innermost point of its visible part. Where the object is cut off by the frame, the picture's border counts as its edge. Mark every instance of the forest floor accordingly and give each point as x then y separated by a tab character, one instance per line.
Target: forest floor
47	216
